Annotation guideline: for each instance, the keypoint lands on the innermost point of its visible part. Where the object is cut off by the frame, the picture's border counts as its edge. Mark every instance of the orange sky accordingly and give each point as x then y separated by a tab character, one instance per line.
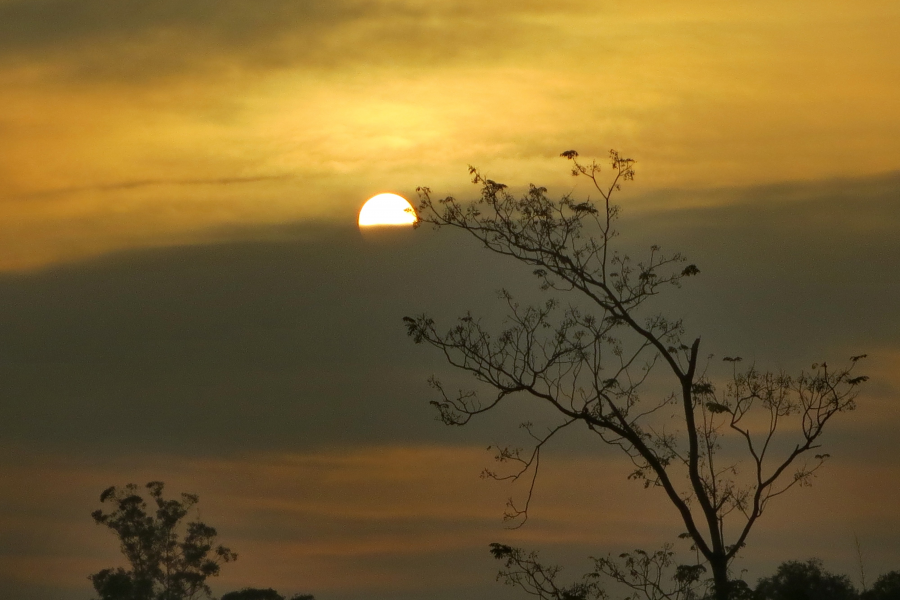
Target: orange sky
120	127
184	295
356	521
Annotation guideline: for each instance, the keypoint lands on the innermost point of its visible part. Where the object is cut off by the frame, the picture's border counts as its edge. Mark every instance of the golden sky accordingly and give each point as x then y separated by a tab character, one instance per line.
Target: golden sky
184	295
146	124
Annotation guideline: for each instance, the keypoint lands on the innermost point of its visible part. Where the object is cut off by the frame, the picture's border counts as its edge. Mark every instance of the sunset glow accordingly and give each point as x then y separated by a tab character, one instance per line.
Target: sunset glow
386	209
184	297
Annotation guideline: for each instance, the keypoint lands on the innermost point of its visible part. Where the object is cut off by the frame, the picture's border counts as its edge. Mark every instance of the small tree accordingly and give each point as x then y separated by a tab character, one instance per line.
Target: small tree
592	360
168	560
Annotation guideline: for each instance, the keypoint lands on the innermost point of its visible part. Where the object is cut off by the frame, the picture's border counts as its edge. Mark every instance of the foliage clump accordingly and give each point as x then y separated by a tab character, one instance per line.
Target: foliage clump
168	559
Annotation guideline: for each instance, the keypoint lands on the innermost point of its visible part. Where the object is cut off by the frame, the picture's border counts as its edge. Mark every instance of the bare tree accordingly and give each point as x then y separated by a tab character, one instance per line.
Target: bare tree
594	360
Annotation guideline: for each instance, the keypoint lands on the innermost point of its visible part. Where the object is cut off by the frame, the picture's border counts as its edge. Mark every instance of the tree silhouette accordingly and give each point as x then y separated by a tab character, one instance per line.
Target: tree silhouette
886	587
168	560
805	581
594	358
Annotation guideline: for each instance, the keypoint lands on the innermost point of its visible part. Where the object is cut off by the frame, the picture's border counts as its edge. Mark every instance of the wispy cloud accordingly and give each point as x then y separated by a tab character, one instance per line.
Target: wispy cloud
149	183
387	519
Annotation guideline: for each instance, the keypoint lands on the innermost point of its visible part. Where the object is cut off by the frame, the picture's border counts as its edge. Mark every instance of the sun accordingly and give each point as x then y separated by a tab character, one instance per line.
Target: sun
387	209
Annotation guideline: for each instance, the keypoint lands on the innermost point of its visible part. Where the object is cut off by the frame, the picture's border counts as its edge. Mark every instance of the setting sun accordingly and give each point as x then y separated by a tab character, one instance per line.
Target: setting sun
387	209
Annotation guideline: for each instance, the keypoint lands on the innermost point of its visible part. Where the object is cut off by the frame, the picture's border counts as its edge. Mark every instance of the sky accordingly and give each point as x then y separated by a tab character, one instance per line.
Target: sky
185	296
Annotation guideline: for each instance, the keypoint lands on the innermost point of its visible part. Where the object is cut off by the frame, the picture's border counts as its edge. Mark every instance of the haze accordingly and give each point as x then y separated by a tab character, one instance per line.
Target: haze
185	295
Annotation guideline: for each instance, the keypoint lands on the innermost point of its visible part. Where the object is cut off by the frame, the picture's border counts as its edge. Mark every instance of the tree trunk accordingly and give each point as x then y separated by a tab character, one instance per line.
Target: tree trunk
721	586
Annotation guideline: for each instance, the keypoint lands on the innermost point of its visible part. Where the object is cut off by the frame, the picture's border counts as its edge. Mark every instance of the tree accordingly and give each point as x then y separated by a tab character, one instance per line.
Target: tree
593	361
805	581
168	560
886	587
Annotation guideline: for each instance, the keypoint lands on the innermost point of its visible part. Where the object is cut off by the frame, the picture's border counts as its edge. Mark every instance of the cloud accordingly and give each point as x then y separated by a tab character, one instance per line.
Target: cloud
401	520
269	371
292	339
351	98
755	245
165	37
130	185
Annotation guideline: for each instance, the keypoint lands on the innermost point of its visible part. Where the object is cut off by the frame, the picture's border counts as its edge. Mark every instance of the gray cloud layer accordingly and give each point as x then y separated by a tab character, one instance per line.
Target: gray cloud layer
810	263
299	344
240	349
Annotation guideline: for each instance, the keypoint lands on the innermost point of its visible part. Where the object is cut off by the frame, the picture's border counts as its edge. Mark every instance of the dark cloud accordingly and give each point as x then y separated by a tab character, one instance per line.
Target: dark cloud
64	23
132	39
299	343
217	348
800	268
144	183
290	343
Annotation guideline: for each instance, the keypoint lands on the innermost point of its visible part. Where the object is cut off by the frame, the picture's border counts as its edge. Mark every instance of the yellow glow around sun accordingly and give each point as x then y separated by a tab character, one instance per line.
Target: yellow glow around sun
387	209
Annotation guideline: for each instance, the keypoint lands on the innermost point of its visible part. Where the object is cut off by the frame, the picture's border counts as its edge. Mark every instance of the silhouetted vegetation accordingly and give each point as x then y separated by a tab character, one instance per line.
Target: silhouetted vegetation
168	559
592	358
811	581
655	576
805	581
886	587
262	594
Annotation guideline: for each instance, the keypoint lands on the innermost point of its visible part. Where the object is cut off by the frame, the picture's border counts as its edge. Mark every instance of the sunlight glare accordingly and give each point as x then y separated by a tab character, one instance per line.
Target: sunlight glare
387	209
